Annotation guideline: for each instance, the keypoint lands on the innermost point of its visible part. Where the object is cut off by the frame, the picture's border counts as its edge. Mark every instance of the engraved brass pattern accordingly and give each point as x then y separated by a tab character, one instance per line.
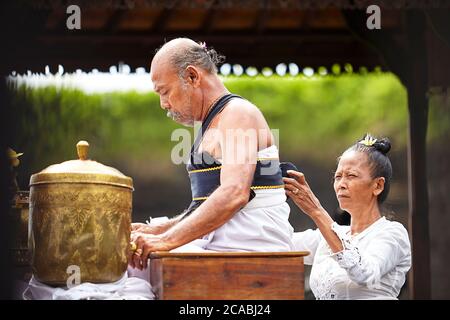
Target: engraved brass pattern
80	215
79	224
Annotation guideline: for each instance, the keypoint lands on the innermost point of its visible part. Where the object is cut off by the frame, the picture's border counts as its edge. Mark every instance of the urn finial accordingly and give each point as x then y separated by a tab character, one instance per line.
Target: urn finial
83	149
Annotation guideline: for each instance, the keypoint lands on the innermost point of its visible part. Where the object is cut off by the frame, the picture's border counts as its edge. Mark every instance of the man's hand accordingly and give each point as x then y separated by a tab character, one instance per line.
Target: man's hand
145	244
146	228
138	226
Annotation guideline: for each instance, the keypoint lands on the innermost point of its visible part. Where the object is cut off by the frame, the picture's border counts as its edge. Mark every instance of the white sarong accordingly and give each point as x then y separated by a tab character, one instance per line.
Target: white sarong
126	288
262	225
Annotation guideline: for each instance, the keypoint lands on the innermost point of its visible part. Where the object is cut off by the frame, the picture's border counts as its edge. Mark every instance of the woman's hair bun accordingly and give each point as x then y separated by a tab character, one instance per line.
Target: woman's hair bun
383	145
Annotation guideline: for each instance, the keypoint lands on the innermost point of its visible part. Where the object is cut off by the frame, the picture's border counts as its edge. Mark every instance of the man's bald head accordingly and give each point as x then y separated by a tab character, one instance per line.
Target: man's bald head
183	52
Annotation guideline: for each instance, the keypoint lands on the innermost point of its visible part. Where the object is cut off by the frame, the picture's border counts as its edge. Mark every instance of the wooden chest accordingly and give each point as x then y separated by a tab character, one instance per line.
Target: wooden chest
228	275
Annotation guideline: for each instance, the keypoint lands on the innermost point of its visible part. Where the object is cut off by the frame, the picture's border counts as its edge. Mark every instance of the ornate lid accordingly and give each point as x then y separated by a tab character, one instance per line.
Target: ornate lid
82	170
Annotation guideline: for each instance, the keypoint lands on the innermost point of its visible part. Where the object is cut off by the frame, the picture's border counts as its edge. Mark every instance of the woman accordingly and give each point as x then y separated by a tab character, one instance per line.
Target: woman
368	259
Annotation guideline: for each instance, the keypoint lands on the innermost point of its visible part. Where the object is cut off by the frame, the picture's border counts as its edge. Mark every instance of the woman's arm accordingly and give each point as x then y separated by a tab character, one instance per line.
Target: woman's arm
366	267
299	191
363	267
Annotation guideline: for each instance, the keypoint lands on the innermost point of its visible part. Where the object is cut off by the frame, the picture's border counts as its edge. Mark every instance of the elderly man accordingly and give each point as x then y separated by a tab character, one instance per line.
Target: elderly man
238	200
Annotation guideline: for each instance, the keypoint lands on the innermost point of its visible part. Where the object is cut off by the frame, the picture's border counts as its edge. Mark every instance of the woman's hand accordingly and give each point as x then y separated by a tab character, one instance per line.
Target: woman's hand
299	191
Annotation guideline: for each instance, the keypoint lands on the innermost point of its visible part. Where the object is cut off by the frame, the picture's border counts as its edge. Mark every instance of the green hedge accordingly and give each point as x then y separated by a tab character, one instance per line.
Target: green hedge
317	119
320	117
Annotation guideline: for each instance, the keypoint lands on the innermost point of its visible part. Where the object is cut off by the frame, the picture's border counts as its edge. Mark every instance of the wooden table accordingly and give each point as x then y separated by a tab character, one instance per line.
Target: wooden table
228	275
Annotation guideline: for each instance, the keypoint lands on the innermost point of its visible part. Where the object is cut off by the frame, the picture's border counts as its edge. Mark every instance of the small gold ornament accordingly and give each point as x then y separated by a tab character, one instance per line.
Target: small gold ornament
14	157
368	141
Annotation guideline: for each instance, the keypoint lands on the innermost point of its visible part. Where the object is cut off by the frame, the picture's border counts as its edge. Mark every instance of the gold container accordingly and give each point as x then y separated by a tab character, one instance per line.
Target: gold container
19	224
80	221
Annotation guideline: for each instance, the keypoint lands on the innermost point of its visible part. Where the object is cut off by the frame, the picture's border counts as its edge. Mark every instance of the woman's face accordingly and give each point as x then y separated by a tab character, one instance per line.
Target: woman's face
353	184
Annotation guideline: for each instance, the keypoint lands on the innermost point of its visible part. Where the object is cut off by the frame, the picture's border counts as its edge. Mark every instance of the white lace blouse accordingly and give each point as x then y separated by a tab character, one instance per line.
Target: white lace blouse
373	264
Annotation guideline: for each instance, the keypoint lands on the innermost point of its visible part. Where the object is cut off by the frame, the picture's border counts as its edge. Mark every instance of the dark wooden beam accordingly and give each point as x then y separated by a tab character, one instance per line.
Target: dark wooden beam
103	57
275	4
208	21
387	43
6	232
262	17
318	36
101	50
417	85
113	21
439	19
161	22
408	59
18	25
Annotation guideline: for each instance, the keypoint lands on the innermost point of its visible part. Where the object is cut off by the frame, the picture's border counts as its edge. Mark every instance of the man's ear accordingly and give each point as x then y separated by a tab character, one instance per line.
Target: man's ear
379	185
192	76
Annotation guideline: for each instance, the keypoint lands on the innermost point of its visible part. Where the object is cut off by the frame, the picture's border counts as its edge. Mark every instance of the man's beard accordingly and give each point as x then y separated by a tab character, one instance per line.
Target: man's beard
178	117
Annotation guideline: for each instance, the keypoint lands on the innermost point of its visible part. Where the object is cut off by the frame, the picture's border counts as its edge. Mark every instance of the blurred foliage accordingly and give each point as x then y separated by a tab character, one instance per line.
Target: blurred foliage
317	119
49	122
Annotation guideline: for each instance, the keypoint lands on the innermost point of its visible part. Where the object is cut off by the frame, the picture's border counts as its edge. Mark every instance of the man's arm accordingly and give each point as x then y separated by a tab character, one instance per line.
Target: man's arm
155	227
238	167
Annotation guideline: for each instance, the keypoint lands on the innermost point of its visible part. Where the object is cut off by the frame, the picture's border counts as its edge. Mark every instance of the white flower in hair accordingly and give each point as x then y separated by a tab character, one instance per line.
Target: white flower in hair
203	45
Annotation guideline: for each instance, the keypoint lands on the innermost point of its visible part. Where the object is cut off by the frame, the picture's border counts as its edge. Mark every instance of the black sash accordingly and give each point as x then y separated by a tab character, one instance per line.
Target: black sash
204	170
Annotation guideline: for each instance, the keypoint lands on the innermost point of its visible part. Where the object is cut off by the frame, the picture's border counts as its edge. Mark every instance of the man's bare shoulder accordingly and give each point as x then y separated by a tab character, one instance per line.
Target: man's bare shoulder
241	105
242	114
240	110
